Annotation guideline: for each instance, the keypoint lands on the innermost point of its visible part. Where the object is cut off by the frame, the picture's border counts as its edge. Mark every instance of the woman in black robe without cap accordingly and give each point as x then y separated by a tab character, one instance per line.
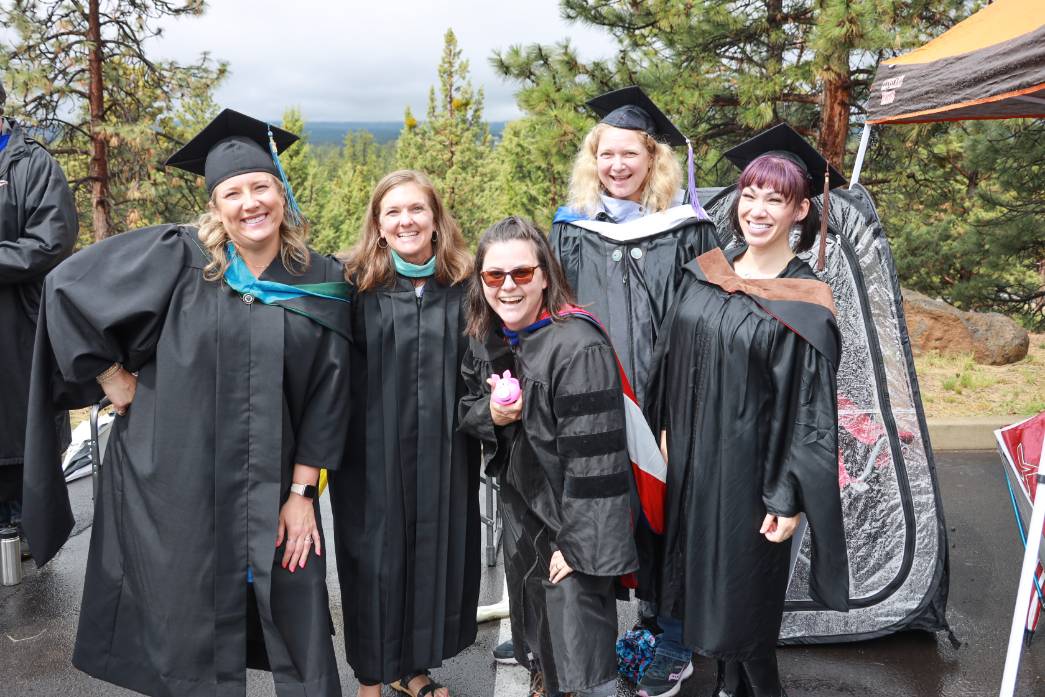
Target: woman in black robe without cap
560	455
406	499
744	392
206	512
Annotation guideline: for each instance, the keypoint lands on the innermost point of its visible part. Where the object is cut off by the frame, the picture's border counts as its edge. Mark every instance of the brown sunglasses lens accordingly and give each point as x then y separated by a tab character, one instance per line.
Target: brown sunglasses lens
521	276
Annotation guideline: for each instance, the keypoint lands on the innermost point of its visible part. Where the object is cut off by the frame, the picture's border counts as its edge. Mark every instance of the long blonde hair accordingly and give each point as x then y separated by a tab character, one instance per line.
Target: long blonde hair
293	240
659	189
369	266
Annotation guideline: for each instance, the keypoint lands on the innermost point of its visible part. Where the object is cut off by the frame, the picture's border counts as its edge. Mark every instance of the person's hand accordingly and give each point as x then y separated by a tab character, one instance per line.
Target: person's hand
778	528
504	414
558	569
119	388
297	524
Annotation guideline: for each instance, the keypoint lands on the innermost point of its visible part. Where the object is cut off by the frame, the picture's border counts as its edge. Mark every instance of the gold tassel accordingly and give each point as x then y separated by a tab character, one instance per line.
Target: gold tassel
821	260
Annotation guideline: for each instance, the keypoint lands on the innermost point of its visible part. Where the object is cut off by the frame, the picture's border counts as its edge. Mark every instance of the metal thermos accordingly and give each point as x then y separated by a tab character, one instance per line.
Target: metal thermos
10	557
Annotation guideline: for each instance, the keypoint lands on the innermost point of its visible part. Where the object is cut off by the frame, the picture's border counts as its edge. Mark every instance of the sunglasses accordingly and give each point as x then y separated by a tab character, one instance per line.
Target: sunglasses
521	276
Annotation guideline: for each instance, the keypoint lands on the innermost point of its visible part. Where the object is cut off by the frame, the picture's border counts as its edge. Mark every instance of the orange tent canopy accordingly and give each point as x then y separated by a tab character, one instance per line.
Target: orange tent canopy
989	66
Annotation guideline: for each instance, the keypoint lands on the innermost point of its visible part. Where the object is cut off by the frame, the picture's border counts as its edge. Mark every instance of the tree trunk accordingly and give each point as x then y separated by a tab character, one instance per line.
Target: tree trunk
98	169
834	116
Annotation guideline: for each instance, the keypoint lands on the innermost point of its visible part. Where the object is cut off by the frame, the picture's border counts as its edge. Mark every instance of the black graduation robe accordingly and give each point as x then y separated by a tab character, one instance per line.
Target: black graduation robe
566	485
231	394
626	274
38	228
745	387
406	499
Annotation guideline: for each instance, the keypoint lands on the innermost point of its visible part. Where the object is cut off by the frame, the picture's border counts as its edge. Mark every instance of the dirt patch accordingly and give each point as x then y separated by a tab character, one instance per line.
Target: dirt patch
957	386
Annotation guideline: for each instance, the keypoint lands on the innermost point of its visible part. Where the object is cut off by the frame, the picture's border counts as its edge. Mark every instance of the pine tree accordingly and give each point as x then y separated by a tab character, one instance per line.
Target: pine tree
350	178
453	145
725	69
80	73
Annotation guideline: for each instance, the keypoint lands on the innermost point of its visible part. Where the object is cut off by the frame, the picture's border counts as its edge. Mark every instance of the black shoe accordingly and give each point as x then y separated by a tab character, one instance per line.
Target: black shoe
504	653
664	677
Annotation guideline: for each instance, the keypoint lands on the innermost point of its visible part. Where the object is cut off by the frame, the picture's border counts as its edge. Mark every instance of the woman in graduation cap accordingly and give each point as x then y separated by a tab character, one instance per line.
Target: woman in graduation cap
744	396
560	453
629	227
224	350
406	502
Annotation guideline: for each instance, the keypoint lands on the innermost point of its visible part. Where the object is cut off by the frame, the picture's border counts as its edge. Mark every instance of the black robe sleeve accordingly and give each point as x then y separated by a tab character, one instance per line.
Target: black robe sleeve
50	225
801	472
596	532
320	432
107	303
102	305
474	411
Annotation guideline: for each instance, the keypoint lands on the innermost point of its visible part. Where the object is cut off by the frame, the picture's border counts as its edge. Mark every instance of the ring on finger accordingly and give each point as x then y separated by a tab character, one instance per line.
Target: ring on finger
308	539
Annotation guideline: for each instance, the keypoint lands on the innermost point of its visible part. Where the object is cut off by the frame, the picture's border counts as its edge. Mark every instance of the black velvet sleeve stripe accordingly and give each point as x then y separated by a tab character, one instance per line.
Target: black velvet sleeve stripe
592	444
587	403
600	486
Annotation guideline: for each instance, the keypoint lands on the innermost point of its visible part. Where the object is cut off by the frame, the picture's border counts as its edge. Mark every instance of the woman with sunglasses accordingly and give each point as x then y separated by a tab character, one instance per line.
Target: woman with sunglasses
560	453
406	502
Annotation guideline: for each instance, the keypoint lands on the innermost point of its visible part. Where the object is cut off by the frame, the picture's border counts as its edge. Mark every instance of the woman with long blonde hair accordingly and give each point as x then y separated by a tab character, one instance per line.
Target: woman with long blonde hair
627	229
406	506
224	349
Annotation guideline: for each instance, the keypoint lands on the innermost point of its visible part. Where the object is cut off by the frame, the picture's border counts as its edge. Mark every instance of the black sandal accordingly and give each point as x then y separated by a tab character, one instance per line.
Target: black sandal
426	690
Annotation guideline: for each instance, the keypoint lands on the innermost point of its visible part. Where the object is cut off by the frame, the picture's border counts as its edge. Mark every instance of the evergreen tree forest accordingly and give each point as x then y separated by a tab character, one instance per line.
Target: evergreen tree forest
962	203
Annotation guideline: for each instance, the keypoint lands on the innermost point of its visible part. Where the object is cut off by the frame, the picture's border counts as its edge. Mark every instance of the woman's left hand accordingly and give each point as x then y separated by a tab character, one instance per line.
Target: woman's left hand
558	569
297	524
778	528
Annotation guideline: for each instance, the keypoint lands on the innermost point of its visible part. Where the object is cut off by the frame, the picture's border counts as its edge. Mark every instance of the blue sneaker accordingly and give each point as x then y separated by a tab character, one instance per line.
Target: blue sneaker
504	653
664	677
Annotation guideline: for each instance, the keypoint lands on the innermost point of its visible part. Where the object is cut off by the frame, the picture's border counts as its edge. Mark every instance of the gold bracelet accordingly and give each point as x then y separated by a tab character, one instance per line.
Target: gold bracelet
108	373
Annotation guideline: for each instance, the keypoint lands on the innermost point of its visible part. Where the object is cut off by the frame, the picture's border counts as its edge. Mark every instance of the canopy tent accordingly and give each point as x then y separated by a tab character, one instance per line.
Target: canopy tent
989	66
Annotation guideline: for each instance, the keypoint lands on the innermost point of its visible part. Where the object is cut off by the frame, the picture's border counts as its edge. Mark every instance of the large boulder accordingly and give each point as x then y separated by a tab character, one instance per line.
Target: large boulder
991	337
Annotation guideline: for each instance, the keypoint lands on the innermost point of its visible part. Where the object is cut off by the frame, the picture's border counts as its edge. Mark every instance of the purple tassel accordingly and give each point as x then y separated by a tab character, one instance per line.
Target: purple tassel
691	187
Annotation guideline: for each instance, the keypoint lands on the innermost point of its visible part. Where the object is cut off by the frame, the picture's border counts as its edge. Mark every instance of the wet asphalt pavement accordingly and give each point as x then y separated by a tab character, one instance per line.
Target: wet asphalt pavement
38	619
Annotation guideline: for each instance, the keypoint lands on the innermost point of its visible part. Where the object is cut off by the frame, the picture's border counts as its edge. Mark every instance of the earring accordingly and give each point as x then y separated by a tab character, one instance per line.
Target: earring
435	236
382	243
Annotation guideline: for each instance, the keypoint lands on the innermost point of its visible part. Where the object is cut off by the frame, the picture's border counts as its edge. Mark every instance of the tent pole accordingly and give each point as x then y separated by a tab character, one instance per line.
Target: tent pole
1023	590
859	164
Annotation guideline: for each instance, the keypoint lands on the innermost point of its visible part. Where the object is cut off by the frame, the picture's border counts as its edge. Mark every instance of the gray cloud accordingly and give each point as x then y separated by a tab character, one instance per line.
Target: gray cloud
362	61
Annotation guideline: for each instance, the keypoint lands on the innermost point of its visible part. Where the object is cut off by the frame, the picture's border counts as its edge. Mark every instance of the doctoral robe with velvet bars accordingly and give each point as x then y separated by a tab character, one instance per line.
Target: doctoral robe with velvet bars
230	395
566	485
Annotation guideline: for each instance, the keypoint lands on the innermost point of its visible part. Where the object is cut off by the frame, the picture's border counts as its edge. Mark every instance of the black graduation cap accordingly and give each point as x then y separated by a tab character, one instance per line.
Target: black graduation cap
232	144
784	141
630	108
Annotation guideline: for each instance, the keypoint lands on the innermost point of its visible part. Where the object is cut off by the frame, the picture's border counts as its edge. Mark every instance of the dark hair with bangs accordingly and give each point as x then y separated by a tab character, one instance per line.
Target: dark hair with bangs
557	296
787	179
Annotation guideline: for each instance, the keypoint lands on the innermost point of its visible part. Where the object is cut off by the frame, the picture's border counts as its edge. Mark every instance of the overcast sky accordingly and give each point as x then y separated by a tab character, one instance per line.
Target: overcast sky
362	60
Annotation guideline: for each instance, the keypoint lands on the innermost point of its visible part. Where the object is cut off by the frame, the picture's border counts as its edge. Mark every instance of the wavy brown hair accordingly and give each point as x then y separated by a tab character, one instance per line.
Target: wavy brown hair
659	189
556	297
293	240
370	266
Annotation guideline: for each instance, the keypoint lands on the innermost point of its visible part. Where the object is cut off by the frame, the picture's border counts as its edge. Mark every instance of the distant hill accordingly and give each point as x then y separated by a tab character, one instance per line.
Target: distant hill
333	132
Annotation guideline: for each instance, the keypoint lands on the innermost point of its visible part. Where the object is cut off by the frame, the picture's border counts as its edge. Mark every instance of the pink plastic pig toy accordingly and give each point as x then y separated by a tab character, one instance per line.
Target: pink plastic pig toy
506	389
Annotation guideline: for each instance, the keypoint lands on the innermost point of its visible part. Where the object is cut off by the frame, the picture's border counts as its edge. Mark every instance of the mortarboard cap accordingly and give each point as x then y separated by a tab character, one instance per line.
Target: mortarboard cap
232	144
784	141
630	108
